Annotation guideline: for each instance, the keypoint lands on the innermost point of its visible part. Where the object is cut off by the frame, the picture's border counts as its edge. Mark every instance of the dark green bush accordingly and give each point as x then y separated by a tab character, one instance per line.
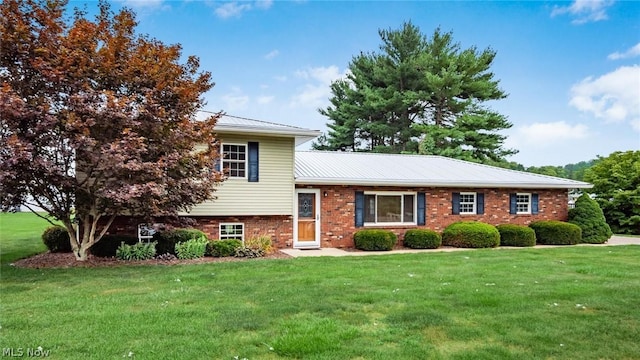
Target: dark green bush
374	239
471	234
167	239
422	239
137	251
589	216
223	248
56	239
192	248
551	232
108	245
516	235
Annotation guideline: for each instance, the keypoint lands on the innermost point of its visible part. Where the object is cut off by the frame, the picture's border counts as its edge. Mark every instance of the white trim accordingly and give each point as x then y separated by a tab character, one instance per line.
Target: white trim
246	159
393	193
230	236
528	204
306	244
474	211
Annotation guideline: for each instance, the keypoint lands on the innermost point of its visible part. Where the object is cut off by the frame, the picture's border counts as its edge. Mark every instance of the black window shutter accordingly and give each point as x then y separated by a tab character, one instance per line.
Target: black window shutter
421	208
534	203
253	162
455	203
480	203
513	203
359	214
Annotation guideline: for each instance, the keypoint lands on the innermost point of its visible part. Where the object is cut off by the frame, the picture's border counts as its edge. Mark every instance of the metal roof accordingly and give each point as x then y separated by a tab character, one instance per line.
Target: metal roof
235	124
372	169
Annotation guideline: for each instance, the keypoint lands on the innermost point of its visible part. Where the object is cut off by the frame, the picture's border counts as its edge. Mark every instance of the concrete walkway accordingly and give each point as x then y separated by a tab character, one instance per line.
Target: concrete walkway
615	240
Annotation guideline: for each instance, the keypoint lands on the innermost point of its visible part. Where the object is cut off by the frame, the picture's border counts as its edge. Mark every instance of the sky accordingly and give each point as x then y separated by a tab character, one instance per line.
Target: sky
571	69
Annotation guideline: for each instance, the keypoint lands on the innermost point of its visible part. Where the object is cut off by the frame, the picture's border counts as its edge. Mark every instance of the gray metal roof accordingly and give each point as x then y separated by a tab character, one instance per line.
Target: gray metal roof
234	124
356	168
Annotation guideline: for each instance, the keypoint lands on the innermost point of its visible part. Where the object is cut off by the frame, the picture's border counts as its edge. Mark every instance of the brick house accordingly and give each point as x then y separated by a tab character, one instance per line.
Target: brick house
312	199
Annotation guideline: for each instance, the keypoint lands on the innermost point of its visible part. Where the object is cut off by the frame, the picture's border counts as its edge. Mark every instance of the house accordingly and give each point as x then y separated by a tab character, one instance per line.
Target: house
311	199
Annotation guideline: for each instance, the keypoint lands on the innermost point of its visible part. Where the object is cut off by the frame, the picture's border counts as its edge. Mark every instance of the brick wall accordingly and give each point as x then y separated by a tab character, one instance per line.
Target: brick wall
338	224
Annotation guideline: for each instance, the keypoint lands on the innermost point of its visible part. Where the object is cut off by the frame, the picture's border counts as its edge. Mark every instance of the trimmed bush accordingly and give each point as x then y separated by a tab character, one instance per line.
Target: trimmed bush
223	248
589	216
192	249
137	251
422	239
471	234
375	239
552	232
168	239
56	239
516	235
108	245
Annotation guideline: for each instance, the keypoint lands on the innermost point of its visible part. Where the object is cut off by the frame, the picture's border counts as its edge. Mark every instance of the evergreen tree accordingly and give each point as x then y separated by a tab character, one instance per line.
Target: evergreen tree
588	215
418	95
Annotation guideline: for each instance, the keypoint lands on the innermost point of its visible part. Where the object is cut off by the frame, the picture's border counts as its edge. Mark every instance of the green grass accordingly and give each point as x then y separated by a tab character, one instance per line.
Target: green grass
20	235
553	303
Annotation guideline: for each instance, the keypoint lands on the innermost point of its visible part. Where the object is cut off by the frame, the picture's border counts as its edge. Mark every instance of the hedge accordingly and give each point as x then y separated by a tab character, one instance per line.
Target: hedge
223	248
167	239
552	232
516	235
375	239
471	234
56	239
589	216
422	239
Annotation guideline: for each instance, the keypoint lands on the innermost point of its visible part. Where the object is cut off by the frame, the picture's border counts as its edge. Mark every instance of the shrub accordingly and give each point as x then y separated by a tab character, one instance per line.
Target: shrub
422	239
192	249
223	248
137	251
588	215
471	234
516	235
108	245
56	239
553	232
262	242
244	251
374	239
167	239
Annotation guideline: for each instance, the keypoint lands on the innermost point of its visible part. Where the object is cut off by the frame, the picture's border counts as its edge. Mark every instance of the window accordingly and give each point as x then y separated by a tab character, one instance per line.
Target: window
232	231
523	203
234	160
467	203
389	207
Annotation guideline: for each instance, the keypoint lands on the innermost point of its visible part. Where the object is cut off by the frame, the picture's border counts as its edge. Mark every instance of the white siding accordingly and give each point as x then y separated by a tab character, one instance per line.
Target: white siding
271	195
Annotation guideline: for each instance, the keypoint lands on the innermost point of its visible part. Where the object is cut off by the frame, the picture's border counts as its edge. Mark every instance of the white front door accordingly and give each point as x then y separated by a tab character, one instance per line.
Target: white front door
306	222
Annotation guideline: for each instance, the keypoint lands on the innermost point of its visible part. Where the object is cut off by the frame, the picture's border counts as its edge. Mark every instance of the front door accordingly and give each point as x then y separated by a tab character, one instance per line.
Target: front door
306	227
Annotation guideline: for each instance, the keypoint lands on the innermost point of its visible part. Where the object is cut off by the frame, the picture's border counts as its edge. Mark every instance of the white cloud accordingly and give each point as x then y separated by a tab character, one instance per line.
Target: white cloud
584	11
237	8
631	52
546	134
272	54
265	99
317	90
613	97
235	101
280	78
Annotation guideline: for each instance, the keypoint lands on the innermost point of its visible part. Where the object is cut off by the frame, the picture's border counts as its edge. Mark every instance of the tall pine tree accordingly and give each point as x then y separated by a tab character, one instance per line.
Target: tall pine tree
418	95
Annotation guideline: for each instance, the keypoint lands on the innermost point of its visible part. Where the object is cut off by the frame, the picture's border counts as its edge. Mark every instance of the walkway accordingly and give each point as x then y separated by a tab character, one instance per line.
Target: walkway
615	240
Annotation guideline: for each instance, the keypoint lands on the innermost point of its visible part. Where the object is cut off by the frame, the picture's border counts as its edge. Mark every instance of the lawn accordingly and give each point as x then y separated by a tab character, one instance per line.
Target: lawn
553	303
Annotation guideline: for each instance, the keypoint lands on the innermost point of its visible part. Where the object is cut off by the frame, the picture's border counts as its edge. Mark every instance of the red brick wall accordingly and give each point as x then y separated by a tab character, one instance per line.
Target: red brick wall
279	228
338	223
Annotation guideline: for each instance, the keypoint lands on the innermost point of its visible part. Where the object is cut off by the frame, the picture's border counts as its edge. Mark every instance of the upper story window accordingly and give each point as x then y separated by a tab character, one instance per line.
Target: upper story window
523	203
234	160
389	207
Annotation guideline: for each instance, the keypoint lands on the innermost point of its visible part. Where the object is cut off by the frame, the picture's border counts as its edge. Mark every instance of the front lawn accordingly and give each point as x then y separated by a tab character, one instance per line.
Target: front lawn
553	303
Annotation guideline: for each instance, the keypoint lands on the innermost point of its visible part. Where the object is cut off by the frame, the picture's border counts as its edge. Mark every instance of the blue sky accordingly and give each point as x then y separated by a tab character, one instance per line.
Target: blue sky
571	69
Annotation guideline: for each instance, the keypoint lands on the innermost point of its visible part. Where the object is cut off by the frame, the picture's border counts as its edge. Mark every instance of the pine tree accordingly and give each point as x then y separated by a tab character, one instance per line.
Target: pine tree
588	215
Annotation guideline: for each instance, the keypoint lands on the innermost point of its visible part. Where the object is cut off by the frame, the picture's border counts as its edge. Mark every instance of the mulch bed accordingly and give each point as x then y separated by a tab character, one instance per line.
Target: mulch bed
68	260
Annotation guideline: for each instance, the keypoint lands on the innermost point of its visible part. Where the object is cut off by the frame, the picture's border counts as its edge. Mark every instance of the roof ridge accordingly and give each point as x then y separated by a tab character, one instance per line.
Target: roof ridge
263	121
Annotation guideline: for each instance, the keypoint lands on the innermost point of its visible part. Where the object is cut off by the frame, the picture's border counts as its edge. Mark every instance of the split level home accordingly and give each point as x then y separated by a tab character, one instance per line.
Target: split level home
314	199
